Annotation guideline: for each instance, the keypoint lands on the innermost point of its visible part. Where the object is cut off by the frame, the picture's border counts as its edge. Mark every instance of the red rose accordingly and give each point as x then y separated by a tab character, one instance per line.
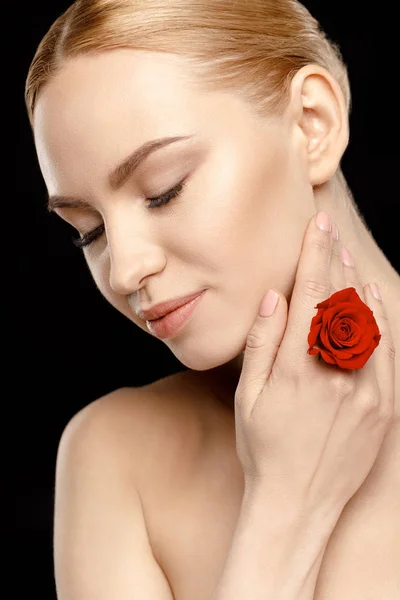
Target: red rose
345	330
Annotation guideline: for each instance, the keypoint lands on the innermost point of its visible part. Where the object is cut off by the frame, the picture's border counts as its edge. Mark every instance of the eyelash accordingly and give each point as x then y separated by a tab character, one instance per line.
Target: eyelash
157	202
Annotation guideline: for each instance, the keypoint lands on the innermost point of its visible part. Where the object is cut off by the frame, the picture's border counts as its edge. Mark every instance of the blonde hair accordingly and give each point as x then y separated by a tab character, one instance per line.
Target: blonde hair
252	48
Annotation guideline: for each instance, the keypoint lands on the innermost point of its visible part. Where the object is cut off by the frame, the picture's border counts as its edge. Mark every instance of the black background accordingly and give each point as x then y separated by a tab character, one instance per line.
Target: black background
66	345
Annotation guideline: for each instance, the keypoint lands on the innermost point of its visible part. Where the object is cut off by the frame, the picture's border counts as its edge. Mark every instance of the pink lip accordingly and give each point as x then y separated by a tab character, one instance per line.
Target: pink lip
162	309
174	321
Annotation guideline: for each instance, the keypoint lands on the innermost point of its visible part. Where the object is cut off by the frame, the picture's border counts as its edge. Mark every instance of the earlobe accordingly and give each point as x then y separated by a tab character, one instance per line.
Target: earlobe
320	112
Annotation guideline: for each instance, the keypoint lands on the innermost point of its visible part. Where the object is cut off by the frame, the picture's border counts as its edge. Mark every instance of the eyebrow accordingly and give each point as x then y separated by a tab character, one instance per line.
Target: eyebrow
119	175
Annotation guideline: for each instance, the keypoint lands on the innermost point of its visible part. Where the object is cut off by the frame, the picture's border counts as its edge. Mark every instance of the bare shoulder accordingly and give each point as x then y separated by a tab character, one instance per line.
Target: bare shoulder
124	408
141	427
112	457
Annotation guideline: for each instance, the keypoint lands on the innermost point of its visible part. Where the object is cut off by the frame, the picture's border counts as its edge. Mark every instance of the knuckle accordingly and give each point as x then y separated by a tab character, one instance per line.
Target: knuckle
343	383
353	281
390	351
384	321
383	316
387	341
314	288
336	253
388	347
368	402
321	243
255	339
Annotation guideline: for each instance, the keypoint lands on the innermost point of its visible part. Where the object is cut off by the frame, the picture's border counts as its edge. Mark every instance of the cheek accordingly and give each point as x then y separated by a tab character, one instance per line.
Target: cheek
259	233
99	267
243	224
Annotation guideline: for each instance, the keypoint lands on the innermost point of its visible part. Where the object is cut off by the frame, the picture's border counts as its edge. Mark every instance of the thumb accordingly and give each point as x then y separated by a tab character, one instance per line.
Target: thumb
262	344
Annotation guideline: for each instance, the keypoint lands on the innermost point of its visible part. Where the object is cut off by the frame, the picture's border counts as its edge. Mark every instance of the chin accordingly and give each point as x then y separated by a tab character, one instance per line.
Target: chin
196	359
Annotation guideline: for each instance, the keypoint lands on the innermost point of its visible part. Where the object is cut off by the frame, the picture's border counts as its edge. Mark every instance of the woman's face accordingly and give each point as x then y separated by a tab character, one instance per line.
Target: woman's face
236	228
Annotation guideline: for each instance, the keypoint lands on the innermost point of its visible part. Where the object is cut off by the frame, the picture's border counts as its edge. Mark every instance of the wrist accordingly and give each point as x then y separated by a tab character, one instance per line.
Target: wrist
292	541
284	513
276	549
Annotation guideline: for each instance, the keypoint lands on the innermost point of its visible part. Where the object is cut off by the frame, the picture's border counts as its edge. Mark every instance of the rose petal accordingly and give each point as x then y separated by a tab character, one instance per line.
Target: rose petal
344	330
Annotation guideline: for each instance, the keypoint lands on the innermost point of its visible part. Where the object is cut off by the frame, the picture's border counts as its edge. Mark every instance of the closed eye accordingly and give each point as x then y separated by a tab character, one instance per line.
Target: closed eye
88	238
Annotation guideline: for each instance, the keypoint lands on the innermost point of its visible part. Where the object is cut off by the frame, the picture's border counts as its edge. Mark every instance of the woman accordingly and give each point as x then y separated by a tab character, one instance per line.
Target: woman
261	472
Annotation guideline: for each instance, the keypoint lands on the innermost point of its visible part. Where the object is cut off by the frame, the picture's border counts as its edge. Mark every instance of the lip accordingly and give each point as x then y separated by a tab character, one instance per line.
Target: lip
174	321
164	308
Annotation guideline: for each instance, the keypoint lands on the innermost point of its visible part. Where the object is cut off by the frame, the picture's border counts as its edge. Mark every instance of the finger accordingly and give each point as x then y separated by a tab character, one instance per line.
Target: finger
312	285
384	354
351	275
351	279
336	265
262	343
343	269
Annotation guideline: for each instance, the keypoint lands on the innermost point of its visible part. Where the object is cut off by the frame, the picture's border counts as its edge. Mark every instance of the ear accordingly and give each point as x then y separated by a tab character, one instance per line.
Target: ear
318	108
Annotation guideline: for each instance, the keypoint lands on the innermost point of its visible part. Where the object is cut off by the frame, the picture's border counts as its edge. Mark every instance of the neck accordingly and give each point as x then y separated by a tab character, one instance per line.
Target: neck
371	265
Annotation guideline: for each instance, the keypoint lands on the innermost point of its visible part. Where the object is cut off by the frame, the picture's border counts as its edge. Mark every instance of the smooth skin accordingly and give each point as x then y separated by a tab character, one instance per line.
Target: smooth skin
252	187
307	435
316	421
309	428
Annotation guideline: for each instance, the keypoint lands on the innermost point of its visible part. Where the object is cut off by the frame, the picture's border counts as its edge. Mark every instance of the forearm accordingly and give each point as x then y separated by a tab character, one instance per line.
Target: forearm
276	553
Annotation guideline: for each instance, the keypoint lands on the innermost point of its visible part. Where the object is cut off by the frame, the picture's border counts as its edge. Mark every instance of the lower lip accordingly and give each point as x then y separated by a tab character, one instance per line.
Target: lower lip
174	321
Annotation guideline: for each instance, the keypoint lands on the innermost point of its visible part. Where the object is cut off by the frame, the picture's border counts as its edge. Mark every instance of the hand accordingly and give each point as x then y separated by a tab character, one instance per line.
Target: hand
308	432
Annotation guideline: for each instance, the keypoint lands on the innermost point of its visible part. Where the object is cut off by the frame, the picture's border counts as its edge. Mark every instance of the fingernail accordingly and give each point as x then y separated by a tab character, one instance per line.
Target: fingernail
269	304
346	257
324	221
375	291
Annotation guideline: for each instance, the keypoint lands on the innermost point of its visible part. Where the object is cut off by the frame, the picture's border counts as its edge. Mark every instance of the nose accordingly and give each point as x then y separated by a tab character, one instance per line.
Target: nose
131	261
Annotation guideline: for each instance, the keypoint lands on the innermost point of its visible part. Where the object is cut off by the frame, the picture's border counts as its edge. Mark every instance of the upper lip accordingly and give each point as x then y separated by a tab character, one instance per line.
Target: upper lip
163	308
